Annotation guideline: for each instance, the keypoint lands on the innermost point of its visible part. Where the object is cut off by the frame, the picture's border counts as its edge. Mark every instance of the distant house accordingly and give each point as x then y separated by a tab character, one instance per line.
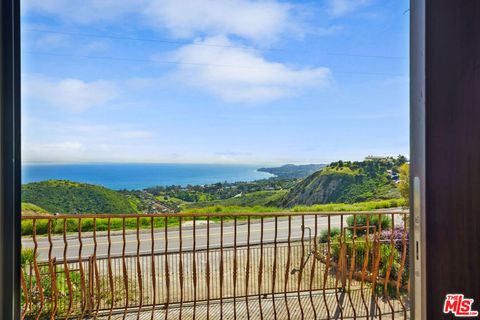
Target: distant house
394	175
370	158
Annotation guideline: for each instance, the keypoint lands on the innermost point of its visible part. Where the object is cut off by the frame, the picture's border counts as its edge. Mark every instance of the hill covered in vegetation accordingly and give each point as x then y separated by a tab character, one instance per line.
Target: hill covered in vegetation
28	208
260	192
267	198
291	171
348	182
338	183
71	197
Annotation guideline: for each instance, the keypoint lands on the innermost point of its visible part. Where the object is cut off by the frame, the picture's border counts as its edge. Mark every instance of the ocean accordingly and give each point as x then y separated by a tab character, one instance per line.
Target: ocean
140	176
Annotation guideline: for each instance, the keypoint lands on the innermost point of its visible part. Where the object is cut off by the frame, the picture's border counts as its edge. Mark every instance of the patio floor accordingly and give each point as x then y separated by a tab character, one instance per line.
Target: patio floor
353	305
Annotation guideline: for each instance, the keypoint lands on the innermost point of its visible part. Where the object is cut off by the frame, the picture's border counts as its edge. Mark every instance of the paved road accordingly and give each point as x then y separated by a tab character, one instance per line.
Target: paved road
173	236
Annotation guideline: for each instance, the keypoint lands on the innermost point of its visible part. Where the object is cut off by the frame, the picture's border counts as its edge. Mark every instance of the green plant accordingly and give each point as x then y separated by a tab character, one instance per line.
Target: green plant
359	206
27	256
360	247
385	252
334	232
361	221
404	183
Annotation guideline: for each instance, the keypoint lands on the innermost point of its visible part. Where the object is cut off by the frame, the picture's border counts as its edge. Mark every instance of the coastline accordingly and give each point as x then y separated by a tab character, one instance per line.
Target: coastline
141	176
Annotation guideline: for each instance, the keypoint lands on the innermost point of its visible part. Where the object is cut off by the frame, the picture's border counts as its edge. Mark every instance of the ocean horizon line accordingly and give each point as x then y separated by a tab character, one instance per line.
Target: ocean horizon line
135	176
261	164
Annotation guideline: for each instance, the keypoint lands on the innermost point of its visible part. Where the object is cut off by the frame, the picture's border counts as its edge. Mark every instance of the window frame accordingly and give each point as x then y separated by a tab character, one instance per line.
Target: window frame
10	162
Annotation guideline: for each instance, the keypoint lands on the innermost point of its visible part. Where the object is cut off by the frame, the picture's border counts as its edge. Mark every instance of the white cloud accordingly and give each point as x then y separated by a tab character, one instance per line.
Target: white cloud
255	20
70	94
241	74
50	151
259	20
341	7
63	141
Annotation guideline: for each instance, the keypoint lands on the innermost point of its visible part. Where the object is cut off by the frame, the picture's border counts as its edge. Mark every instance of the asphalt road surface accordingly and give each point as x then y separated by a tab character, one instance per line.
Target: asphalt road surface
187	239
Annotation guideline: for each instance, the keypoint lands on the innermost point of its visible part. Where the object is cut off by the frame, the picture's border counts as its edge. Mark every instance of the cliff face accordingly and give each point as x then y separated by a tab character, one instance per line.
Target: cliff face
333	184
319	188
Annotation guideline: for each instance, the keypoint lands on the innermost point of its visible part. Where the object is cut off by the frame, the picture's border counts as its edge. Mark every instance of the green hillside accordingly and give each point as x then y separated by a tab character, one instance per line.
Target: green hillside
29	208
292	171
259	198
348	182
71	197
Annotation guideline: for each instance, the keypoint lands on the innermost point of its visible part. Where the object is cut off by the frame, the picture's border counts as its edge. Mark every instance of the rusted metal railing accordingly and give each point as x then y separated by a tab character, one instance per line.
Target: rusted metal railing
313	265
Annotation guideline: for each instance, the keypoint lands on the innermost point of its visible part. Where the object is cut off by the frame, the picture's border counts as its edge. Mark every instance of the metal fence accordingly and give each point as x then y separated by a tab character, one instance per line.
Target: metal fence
255	266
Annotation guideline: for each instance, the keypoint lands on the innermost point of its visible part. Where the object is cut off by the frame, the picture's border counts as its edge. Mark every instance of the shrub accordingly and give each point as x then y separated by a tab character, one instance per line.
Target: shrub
361	220
334	232
360	251
27	256
385	252
27	227
360	247
398	232
335	247
87	224
41	227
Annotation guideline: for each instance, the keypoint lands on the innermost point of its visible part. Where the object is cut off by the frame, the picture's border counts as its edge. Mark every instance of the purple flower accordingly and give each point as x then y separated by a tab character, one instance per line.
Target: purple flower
398	233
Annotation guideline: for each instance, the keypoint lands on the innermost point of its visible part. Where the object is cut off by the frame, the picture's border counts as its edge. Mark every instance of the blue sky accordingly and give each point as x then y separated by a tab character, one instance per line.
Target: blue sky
214	81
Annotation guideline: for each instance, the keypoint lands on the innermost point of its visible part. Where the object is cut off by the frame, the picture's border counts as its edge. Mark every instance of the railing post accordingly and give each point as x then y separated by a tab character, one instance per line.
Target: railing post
90	285
335	259
342	265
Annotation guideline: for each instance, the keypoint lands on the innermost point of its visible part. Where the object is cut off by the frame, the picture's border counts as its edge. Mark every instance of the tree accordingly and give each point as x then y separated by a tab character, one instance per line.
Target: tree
404	182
